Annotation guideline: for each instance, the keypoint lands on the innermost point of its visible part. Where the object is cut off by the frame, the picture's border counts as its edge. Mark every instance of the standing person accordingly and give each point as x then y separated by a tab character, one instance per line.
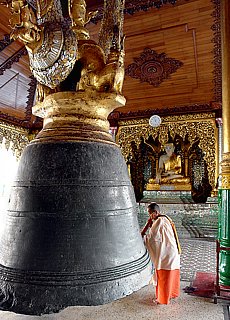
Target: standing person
164	249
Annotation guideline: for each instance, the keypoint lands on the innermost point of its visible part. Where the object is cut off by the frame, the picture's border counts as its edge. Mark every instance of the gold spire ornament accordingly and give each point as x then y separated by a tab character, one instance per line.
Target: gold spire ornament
58	48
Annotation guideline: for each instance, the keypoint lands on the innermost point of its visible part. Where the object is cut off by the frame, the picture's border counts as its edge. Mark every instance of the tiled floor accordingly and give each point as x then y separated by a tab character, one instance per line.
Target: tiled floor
197	255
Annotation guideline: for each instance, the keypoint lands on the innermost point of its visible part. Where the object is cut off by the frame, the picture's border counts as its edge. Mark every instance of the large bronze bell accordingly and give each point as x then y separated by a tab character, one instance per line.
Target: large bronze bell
71	235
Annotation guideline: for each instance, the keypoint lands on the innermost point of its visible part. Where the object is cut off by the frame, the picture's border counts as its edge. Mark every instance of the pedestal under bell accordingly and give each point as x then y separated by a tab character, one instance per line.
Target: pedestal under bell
71	235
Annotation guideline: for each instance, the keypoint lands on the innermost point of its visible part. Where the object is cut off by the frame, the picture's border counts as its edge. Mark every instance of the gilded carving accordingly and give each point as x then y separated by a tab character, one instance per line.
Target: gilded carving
60	52
225	164
225	171
225	181
193	125
113	19
80	17
79	81
15	138
24	25
171	118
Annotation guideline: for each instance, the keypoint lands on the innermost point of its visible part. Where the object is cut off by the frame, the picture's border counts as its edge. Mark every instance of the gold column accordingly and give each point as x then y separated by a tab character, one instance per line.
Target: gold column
225	47
224	188
225	38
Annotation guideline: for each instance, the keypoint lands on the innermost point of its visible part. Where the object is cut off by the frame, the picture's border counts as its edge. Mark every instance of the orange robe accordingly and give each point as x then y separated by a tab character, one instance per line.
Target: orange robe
162	246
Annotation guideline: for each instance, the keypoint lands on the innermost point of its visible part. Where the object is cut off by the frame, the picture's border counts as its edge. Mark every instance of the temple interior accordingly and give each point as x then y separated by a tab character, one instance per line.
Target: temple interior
105	107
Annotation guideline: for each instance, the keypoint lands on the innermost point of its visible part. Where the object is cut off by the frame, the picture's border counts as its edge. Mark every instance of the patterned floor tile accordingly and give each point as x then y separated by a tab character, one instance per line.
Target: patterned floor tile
197	255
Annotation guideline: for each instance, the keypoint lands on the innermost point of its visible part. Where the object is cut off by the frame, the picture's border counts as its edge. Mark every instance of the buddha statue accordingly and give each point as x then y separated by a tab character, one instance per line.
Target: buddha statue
169	170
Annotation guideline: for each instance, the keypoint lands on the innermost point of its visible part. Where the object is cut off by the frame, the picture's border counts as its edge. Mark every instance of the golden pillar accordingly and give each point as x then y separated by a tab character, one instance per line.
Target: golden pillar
225	31
224	189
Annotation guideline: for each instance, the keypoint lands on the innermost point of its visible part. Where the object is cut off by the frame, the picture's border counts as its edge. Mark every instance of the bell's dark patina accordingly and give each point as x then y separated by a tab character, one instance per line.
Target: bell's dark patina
72	235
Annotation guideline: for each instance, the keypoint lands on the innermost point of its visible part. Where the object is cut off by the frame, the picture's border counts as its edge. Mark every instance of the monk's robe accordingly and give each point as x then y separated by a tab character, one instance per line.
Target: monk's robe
164	249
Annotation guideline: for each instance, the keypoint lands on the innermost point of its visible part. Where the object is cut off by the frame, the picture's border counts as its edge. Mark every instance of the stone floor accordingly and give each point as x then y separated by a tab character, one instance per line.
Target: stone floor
136	307
197	255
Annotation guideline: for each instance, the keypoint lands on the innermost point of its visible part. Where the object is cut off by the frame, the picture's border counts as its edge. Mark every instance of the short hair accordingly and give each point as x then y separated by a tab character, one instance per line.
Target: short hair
154	206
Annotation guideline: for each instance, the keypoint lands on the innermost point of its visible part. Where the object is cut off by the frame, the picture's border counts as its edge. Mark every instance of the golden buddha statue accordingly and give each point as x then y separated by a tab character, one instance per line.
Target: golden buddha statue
169	171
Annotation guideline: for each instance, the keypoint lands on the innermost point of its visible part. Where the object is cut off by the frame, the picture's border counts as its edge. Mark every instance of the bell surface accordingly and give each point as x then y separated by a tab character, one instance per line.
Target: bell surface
71	235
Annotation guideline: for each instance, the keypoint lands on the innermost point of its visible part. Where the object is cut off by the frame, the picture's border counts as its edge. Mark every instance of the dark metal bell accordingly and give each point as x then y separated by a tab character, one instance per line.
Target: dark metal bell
71	235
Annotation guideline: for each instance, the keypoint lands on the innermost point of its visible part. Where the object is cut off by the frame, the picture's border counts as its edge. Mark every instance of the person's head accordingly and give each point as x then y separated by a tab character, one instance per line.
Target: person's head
153	210
169	148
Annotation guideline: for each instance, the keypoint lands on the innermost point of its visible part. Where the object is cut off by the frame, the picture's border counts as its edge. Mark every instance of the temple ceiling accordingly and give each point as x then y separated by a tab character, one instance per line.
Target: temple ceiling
172	62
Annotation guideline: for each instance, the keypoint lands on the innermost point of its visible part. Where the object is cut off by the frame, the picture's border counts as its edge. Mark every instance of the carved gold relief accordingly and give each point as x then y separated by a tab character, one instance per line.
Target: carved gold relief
24	25
61	55
225	171
15	138
110	35
80	17
97	73
225	181
225	164
193	125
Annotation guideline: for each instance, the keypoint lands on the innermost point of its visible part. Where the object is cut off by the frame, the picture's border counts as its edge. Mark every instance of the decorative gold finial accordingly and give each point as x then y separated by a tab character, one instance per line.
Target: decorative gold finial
62	58
24	25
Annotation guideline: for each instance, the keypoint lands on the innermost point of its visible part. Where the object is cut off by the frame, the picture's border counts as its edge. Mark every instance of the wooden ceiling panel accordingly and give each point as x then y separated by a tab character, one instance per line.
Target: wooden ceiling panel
186	38
13	89
4	21
182	32
175	42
